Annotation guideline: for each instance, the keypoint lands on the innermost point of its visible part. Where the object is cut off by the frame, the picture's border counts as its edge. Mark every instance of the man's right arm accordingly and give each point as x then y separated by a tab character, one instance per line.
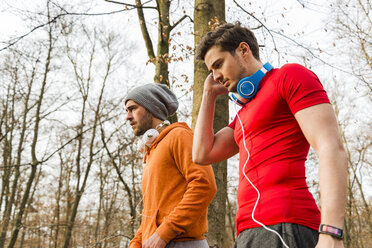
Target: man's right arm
209	148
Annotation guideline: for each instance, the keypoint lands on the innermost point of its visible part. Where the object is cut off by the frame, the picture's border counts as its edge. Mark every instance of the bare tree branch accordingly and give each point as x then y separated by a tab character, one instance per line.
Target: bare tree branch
16	40
301	3
133	5
180	20
145	33
263	25
292	40
61	147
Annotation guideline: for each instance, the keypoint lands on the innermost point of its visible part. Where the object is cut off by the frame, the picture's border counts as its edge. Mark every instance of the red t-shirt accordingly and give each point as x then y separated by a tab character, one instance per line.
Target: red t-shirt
278	150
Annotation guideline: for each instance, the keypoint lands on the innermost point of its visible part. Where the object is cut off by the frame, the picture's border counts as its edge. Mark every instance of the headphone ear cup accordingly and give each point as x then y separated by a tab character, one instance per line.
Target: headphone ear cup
147	139
149	136
247	88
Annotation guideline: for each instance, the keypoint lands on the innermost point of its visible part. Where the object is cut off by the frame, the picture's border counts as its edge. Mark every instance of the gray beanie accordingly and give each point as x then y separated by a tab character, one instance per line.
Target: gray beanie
156	98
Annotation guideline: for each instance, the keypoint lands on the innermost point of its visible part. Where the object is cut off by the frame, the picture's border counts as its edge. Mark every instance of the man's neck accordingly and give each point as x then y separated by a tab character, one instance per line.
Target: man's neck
254	66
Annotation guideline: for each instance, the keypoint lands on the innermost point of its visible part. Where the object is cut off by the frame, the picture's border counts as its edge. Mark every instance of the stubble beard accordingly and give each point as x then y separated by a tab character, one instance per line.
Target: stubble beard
242	74
144	125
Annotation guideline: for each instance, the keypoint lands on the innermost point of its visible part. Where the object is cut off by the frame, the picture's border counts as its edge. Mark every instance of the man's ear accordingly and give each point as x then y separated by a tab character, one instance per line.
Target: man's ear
244	48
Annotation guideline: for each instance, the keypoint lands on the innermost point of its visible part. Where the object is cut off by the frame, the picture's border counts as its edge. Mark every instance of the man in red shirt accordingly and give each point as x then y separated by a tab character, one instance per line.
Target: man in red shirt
284	111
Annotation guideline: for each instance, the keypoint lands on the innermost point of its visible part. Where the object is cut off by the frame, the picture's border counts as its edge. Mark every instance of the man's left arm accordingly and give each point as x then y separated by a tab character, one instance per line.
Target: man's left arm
319	125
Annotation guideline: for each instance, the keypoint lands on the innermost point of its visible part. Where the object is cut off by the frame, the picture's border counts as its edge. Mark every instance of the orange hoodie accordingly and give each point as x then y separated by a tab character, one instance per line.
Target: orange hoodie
176	192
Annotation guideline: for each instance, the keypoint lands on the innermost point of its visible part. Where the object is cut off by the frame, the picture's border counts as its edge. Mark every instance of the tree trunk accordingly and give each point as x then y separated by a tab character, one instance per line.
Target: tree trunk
161	62
162	58
35	162
205	13
6	175
17	173
80	188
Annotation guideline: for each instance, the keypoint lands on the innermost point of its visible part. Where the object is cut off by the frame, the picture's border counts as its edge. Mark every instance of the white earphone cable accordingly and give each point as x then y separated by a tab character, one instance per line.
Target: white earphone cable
258	192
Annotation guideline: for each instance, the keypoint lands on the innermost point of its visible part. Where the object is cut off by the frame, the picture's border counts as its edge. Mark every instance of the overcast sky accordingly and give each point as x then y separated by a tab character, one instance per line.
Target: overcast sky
305	26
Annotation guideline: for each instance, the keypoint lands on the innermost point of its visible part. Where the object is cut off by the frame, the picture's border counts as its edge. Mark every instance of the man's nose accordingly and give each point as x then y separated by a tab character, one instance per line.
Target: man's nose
129	116
217	76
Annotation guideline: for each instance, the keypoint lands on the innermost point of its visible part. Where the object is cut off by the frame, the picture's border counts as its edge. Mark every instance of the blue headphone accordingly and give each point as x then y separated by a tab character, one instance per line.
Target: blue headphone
248	87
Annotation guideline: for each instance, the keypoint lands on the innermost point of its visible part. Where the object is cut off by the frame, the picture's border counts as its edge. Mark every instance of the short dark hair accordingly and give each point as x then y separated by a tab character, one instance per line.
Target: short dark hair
228	36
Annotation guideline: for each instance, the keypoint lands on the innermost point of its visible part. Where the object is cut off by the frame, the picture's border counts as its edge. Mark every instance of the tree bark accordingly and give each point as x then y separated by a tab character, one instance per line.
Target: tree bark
162	59
207	12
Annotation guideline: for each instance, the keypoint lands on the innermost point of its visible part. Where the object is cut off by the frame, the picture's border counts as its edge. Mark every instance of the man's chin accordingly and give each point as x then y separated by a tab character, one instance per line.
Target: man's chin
232	88
137	133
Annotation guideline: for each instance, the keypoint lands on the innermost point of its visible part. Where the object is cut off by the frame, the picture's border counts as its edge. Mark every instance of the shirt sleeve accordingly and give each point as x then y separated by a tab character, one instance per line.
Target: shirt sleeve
300	87
136	242
200	190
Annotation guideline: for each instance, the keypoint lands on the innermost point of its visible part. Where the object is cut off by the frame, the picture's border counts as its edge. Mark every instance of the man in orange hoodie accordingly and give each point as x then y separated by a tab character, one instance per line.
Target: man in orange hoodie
176	192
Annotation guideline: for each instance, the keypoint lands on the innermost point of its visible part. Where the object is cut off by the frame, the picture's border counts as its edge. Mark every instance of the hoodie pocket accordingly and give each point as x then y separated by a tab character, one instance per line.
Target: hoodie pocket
149	223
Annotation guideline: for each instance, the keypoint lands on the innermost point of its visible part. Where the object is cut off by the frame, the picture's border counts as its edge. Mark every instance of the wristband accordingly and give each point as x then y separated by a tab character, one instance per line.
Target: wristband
331	230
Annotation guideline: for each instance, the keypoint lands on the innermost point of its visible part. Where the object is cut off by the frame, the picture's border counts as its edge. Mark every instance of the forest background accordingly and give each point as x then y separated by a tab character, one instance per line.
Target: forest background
69	165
